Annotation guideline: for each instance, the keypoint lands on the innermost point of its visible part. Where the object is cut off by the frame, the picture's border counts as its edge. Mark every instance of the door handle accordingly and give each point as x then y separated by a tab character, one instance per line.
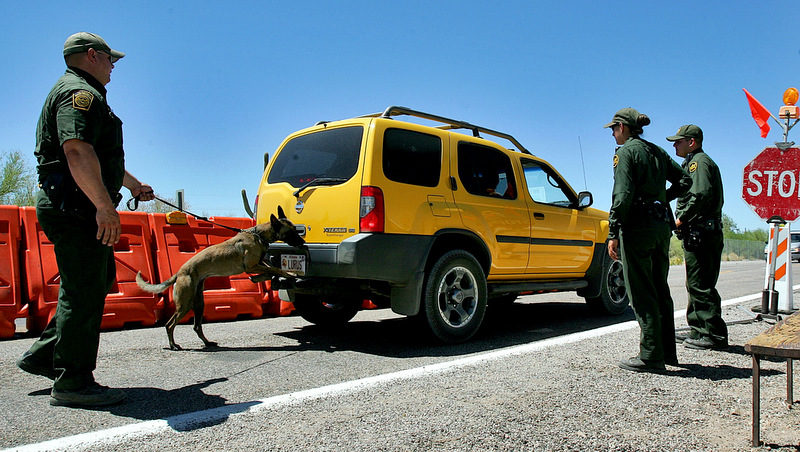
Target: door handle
538	216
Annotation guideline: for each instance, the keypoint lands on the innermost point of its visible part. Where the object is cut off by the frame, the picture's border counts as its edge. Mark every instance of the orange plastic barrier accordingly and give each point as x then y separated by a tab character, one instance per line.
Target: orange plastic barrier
273	304
41	272
10	295
226	298
126	303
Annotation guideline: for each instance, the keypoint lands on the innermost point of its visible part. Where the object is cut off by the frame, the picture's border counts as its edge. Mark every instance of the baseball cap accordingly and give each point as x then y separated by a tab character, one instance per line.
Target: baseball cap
625	116
83	41
687	131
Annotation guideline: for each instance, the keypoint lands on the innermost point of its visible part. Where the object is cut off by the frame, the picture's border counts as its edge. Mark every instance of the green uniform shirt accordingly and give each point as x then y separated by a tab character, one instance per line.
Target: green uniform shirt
641	171
76	108
704	200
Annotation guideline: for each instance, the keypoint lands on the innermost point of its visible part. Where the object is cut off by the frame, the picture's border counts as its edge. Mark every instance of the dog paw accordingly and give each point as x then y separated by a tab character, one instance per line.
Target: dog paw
211	345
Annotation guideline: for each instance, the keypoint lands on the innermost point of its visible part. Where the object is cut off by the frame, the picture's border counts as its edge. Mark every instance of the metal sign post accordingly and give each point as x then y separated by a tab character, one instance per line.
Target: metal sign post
782	268
769	296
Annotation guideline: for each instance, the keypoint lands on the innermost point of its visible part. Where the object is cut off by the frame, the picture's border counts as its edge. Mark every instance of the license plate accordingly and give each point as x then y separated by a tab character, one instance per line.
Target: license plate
295	263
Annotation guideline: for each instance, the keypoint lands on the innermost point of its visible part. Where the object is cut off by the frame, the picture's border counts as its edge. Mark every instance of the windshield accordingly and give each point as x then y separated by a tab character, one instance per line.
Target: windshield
327	154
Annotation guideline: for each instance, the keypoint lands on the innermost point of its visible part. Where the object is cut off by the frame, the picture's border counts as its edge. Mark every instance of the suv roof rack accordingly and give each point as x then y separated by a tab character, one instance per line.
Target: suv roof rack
450	124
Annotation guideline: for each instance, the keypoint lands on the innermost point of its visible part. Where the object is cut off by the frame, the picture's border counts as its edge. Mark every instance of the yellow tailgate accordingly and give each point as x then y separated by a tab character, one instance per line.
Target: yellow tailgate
328	209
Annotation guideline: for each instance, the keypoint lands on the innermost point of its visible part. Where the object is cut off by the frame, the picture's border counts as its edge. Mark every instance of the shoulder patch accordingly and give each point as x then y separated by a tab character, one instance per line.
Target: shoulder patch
82	100
616	160
693	167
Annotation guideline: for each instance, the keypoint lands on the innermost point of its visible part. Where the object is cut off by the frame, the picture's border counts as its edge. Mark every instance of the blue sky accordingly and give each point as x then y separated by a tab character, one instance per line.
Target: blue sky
207	87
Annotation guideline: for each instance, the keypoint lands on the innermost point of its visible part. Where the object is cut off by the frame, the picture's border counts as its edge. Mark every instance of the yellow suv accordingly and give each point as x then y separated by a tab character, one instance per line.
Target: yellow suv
430	222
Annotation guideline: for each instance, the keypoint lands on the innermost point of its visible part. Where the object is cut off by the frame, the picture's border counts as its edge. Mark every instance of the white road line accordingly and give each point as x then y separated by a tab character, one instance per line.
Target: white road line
187	421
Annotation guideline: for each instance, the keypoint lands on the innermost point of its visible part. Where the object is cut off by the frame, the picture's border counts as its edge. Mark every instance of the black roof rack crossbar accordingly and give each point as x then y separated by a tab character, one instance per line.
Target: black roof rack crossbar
451	124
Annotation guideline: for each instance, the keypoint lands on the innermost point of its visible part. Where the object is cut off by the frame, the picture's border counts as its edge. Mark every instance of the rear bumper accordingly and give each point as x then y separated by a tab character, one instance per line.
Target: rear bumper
393	258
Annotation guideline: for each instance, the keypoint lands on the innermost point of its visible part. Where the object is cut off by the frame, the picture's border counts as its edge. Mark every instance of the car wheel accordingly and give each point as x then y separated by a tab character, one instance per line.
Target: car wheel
613	297
325	312
455	297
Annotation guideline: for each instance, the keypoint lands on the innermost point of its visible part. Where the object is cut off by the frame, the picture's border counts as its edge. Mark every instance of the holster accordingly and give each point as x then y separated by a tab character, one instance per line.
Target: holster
692	237
695	233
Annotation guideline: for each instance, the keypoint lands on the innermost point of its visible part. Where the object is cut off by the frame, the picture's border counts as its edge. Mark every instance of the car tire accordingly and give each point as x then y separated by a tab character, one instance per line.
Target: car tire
325	312
613	298
454	297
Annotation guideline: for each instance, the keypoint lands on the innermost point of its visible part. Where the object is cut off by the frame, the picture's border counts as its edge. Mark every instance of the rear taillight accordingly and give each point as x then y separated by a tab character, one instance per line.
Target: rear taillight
372	213
255	210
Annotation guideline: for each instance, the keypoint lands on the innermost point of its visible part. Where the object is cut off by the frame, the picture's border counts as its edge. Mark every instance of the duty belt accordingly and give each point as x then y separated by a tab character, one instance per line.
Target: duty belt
655	210
710	224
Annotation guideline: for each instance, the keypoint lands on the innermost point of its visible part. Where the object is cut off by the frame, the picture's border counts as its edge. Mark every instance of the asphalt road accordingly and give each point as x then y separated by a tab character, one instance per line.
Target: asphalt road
371	386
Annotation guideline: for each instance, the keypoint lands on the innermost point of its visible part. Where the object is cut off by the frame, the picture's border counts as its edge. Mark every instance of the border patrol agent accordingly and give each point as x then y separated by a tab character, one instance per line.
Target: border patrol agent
699	224
81	170
639	230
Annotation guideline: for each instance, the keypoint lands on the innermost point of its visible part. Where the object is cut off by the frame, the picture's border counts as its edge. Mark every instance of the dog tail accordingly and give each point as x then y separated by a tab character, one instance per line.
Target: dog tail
154	288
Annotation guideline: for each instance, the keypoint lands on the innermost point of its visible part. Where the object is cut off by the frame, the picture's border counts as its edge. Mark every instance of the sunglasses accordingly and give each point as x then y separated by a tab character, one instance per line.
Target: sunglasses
111	59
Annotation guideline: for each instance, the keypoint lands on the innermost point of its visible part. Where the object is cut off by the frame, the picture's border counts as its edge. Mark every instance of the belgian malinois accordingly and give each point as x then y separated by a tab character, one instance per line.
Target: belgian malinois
243	252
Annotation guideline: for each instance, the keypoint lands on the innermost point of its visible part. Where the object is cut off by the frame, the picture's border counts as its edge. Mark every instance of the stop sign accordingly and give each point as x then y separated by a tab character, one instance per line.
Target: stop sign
771	183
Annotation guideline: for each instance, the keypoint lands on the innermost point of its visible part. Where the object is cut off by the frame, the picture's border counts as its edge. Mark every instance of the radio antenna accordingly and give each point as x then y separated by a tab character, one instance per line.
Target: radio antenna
582	165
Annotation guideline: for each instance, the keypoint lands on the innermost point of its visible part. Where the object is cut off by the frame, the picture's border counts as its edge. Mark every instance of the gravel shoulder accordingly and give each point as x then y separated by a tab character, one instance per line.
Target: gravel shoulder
564	397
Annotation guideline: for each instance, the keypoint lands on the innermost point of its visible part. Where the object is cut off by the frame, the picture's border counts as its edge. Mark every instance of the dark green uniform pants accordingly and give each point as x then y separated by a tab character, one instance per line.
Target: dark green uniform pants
645	260
71	339
704	312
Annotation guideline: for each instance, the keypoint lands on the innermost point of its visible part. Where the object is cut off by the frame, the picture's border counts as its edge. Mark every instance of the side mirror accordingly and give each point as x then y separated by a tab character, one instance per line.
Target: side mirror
266	159
585	199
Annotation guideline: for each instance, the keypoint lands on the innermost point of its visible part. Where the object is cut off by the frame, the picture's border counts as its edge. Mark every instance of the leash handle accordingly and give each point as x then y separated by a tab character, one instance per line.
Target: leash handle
135	202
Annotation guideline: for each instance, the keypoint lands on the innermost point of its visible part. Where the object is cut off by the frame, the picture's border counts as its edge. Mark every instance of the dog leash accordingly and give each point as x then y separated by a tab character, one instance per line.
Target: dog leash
135	206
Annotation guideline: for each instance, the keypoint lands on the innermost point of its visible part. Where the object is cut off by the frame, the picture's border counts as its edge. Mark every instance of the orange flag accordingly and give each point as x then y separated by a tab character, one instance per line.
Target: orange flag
759	112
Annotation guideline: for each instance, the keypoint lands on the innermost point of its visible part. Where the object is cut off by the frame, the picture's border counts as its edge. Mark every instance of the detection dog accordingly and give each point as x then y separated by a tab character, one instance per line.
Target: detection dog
243	252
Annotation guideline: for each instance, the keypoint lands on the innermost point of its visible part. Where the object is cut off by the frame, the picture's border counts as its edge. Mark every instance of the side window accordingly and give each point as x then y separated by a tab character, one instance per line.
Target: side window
412	157
485	171
544	186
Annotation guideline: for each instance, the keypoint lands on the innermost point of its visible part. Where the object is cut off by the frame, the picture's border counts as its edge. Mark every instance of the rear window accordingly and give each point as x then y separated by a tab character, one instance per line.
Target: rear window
412	157
329	153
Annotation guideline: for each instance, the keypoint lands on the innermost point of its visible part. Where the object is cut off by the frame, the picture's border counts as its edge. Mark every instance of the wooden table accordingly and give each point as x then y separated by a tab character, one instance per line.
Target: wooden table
782	340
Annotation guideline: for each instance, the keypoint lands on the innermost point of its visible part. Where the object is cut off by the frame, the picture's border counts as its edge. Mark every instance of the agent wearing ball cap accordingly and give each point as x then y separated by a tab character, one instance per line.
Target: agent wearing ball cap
81	166
83	41
639	232
698	218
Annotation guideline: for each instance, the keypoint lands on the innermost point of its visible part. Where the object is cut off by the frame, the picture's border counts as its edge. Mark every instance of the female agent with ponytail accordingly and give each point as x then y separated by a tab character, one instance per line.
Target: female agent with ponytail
639	233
